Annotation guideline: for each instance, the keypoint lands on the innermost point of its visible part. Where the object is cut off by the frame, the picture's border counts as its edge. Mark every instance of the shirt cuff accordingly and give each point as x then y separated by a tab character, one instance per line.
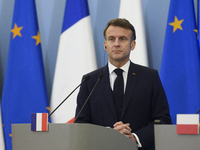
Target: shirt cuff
138	140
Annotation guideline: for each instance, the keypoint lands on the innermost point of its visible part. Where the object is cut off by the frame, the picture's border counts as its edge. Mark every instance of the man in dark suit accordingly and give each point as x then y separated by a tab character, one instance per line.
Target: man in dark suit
143	100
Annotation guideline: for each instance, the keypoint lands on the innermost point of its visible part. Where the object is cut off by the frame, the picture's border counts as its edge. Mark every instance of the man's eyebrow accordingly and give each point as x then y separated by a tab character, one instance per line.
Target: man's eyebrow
123	36
110	37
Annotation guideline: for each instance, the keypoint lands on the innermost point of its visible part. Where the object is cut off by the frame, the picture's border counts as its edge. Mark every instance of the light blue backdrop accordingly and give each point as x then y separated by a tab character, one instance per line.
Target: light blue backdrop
50	16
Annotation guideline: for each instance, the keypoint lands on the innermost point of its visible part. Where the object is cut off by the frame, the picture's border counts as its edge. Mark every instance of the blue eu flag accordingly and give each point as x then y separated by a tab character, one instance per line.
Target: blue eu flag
180	68
24	90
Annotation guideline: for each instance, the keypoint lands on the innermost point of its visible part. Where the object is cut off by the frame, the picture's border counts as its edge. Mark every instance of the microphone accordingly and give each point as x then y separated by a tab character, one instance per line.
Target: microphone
100	77
85	79
197	111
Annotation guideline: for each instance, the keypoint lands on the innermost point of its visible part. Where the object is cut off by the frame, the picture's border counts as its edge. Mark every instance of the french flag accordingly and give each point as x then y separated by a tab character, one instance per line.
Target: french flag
187	123
39	122
76	57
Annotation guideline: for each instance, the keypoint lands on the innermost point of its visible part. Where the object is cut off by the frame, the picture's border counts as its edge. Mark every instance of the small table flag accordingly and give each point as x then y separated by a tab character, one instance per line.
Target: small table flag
187	123
39	122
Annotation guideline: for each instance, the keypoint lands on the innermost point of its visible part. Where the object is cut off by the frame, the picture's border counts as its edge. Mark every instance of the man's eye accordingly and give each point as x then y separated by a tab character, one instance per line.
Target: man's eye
122	39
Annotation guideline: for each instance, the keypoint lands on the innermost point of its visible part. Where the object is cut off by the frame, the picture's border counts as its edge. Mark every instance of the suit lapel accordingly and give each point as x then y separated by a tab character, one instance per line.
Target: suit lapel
107	90
131	82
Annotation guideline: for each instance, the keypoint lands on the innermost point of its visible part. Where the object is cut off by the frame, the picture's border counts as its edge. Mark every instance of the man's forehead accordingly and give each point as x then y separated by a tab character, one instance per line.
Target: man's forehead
118	31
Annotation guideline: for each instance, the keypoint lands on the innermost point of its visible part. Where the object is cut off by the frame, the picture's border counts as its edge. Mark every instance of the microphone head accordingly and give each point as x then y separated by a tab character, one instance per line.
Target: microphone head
101	76
87	77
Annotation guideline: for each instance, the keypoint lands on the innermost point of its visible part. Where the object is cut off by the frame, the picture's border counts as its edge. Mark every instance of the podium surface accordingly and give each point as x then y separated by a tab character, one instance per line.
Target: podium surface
70	137
166	138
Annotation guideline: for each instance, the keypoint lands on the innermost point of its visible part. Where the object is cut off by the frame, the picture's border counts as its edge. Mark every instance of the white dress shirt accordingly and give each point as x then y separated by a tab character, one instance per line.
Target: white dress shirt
113	76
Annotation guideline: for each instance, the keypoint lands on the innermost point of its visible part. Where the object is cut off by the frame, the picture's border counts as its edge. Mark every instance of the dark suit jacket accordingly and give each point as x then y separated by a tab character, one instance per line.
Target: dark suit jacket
144	101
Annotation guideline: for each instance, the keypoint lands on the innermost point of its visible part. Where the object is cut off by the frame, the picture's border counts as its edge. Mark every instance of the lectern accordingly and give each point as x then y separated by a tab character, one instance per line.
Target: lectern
70	137
166	138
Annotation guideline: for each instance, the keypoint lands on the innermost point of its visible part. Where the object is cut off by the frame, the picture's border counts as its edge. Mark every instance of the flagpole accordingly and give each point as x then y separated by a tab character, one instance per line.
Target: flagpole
198	16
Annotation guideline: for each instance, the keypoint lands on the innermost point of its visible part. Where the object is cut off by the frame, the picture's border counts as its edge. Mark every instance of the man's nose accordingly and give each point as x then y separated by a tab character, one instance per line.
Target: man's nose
117	42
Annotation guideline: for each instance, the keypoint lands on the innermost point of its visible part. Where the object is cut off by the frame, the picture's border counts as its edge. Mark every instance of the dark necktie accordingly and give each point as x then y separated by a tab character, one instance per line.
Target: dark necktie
119	85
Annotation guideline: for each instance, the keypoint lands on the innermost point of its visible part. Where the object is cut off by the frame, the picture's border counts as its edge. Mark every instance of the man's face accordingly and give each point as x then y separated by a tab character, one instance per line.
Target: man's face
118	44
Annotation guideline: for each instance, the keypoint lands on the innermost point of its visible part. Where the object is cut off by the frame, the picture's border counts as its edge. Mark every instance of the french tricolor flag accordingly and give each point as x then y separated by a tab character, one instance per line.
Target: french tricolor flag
39	122
187	123
76	57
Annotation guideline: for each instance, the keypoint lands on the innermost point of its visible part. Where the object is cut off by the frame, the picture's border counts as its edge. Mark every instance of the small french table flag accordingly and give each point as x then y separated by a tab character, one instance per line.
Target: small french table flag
39	122
187	123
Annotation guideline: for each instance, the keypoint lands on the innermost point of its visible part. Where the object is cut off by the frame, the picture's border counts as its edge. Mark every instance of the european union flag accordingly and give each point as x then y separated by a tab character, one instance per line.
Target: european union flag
180	68
24	89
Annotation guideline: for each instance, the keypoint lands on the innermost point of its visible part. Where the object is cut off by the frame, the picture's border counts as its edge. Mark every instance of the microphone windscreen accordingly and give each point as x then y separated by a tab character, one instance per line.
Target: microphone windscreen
101	76
87	77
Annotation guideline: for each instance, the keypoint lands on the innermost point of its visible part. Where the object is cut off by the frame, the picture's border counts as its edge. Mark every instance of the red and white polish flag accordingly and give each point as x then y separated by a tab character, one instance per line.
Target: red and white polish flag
187	123
39	122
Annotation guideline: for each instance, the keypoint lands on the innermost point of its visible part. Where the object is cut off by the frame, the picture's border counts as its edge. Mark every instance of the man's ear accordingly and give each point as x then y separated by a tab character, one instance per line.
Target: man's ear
105	47
133	43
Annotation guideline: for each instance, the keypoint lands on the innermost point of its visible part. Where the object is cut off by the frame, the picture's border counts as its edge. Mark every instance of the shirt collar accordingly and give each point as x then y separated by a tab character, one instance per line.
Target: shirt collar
124	67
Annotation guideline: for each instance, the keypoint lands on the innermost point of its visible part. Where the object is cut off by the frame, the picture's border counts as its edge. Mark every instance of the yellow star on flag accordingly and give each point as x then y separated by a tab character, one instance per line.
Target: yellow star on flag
196	30
176	24
48	108
16	31
37	38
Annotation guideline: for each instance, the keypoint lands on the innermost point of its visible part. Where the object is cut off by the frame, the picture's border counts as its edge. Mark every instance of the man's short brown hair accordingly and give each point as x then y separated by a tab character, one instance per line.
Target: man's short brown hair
121	23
